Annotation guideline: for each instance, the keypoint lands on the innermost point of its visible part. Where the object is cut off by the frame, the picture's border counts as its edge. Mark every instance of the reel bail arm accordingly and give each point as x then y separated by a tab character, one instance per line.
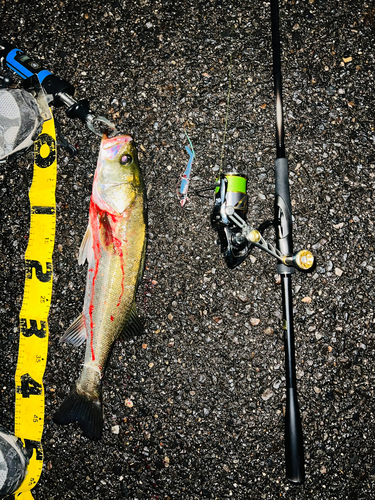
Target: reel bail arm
302	260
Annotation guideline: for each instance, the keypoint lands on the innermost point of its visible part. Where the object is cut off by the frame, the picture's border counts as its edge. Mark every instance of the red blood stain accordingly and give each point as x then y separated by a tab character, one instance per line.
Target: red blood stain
118	245
101	224
94	222
104	223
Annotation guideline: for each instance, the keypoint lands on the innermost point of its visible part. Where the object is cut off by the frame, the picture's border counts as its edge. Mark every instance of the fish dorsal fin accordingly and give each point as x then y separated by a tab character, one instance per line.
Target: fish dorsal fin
76	333
86	251
134	325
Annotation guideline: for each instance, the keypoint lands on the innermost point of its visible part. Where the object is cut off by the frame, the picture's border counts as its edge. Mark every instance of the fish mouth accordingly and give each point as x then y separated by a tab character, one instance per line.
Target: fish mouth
109	142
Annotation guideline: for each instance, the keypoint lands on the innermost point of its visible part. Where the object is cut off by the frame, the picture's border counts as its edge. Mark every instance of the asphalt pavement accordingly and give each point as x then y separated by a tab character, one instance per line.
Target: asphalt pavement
206	380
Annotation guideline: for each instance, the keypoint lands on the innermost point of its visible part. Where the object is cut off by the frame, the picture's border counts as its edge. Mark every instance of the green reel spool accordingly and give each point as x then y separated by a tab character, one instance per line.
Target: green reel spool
235	195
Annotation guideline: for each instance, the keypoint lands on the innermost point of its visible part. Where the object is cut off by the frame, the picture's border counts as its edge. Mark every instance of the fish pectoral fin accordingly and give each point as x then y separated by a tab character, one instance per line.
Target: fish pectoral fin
76	333
86	251
134	325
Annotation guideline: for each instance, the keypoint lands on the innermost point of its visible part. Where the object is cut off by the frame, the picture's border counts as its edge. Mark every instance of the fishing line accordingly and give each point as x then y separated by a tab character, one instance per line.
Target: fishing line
198	192
191	145
226	117
186	178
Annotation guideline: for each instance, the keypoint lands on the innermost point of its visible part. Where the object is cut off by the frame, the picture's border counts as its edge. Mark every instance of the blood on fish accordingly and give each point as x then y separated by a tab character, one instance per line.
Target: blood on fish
91	310
96	247
101	218
104	222
118	244
115	218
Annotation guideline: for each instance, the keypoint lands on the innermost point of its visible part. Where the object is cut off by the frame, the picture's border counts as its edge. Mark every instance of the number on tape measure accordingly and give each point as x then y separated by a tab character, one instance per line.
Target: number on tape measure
33	328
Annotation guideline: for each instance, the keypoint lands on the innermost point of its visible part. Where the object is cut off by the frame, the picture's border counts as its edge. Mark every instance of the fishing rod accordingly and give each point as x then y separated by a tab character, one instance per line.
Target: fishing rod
60	91
294	454
237	239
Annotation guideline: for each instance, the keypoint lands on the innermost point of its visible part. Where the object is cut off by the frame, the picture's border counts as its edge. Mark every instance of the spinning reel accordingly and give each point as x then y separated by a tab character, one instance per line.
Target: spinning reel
237	238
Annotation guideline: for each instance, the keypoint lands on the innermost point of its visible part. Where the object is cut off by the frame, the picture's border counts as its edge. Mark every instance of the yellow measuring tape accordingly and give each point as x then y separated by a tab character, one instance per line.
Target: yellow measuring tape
33	343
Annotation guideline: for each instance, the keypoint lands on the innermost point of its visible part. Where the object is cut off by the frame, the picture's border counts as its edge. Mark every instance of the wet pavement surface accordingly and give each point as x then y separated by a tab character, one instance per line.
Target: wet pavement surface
207	377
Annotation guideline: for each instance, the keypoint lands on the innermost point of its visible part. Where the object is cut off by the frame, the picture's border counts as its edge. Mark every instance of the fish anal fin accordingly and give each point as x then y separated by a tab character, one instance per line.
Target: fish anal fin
134	326
76	333
77	407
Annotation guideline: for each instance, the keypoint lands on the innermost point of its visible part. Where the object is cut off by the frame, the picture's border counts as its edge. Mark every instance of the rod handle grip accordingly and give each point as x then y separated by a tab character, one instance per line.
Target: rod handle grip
295	467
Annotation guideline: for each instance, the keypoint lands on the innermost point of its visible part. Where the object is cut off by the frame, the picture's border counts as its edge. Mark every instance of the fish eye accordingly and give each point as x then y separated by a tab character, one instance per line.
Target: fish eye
126	160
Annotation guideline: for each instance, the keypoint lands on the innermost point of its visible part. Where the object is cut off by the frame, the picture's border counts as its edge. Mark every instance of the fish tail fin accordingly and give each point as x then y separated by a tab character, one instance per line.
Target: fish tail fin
87	412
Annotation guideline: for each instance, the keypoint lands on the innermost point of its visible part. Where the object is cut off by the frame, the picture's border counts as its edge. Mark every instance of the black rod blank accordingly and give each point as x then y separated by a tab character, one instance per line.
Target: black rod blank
280	148
294	458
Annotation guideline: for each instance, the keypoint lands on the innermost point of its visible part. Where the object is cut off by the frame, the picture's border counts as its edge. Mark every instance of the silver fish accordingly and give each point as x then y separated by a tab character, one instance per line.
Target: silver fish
114	247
